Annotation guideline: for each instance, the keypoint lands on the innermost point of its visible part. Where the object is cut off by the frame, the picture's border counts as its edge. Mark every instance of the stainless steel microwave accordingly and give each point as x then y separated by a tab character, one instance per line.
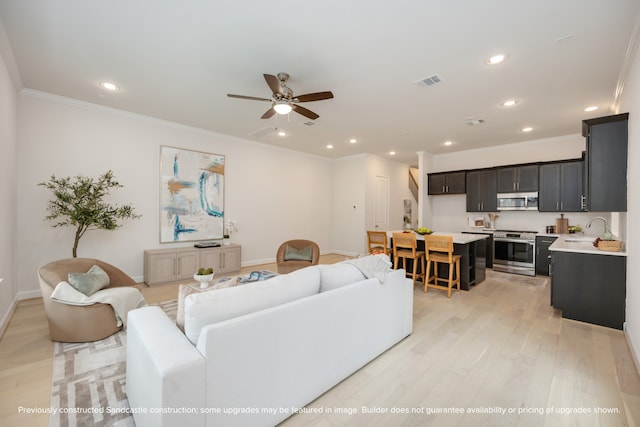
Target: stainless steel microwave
518	201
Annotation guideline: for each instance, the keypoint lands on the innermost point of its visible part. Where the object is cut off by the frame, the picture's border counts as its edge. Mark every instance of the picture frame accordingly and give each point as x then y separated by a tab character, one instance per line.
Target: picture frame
191	195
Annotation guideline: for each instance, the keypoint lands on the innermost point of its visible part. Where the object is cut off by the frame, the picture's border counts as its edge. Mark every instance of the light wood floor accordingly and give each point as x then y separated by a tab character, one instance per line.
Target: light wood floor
498	346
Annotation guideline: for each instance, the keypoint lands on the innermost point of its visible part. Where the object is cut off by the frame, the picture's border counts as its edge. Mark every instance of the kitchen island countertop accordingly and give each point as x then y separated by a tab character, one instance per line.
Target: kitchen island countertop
562	245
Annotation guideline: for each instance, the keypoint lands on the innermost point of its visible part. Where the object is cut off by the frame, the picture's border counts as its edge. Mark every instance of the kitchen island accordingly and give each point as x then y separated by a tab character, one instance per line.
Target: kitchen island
472	264
588	284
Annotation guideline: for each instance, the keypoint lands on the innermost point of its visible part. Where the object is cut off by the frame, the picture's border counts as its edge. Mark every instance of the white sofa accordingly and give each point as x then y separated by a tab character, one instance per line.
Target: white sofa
264	348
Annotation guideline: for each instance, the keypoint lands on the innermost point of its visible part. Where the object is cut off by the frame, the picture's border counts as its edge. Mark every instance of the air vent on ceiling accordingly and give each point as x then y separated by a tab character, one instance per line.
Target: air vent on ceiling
474	122
308	123
430	81
267	130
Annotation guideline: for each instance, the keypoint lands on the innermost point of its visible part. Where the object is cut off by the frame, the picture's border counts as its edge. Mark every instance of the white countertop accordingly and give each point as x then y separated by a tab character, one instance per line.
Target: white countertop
459	238
561	245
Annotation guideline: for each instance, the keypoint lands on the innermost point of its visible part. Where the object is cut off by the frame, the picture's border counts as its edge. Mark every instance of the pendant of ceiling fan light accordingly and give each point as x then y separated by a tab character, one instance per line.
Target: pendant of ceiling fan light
282	107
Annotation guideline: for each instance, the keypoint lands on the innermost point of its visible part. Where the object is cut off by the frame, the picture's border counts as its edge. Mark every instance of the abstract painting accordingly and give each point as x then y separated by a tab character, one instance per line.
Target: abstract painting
191	195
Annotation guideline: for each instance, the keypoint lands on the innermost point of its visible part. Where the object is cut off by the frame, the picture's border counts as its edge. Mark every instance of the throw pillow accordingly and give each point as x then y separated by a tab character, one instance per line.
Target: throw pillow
183	292
90	282
293	254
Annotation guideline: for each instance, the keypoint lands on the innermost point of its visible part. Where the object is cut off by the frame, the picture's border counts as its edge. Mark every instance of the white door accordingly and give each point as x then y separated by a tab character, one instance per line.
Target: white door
381	204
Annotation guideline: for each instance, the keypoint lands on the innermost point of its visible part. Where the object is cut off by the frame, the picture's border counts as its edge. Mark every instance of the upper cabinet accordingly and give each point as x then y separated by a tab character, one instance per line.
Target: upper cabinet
561	187
606	163
447	183
517	179
481	191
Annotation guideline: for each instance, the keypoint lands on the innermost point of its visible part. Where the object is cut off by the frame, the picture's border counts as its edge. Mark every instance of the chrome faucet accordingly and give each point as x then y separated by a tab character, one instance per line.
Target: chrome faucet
607	232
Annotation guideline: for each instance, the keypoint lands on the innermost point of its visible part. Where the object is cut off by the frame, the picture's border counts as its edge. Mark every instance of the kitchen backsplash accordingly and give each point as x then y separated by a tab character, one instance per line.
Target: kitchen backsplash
449	214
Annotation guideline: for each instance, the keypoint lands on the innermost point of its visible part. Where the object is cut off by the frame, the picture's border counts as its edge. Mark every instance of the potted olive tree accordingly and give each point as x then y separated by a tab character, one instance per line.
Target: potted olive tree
78	202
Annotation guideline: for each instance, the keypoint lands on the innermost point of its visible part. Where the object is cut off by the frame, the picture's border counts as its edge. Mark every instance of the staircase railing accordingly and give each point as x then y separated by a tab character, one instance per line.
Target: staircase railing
413	184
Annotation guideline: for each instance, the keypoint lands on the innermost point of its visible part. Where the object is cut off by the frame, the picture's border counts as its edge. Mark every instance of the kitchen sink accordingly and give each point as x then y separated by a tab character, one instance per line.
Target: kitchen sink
579	239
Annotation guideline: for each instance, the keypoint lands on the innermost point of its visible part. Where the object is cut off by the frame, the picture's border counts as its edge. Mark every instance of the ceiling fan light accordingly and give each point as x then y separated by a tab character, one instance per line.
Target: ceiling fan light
282	107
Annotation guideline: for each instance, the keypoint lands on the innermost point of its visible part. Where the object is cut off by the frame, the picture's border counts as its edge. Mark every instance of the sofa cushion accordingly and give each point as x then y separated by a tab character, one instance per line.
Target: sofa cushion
206	308
90	282
333	276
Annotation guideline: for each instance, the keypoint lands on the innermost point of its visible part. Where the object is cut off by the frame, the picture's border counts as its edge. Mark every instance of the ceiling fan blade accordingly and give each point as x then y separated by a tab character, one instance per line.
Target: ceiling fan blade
274	83
307	113
317	96
253	98
268	114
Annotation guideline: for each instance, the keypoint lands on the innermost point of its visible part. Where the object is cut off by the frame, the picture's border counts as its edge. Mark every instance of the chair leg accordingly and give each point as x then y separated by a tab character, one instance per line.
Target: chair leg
415	269
428	277
458	274
450	280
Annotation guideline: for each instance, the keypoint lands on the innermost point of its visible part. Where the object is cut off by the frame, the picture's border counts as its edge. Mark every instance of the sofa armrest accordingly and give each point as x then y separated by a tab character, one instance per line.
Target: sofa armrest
165	372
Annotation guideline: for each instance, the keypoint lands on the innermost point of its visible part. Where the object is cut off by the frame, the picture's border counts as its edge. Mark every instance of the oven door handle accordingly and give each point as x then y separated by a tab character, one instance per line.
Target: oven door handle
530	242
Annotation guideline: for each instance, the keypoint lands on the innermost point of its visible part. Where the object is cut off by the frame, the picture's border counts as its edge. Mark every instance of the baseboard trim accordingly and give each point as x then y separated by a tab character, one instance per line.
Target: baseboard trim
632	350
7	317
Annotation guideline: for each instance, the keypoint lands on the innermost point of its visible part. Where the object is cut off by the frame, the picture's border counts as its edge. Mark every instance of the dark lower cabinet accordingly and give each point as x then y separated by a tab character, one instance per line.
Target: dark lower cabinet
484	250
543	255
589	287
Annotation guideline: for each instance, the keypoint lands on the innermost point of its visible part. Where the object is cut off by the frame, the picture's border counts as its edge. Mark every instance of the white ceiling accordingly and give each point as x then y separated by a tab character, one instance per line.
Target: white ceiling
177	60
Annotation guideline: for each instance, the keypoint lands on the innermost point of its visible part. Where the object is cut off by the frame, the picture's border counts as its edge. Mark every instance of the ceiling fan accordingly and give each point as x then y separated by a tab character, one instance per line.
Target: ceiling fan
283	101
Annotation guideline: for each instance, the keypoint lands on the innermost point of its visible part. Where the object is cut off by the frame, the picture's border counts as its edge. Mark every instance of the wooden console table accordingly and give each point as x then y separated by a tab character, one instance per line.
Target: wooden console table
171	265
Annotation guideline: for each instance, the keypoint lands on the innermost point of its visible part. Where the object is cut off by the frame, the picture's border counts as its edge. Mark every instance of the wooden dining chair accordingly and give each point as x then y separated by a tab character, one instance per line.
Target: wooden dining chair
405	247
439	249
377	243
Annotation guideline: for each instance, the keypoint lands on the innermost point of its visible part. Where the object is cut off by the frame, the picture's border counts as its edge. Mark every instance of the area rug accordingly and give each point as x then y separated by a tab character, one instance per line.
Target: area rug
88	382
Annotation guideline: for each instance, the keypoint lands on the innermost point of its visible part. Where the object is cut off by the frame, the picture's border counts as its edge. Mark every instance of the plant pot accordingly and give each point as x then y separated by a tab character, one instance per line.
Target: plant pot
204	279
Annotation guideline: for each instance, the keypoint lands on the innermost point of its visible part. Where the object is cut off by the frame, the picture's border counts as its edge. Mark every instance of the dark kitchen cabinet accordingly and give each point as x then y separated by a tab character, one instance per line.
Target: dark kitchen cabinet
561	187
447	183
543	255
517	179
481	190
606	163
589	287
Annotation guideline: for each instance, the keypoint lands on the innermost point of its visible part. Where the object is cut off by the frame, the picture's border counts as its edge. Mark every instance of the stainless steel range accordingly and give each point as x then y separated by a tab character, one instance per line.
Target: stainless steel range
514	251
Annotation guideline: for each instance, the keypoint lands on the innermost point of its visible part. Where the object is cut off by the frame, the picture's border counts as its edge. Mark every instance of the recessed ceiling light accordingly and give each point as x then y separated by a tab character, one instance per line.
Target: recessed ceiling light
496	59
329	146
109	86
448	143
509	102
592	108
353	140
282	133
527	129
392	153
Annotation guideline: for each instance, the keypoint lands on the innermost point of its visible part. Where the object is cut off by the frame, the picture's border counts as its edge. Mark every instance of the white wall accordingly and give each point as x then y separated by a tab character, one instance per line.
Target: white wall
539	150
630	102
273	194
349	184
354	185
398	174
8	143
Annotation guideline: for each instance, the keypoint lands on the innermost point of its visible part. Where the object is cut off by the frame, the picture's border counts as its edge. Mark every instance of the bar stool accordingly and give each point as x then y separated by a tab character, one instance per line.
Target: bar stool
405	247
377	242
440	249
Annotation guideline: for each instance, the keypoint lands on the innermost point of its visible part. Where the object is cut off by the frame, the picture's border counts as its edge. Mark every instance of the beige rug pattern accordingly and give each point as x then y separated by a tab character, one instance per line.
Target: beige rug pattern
88	381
